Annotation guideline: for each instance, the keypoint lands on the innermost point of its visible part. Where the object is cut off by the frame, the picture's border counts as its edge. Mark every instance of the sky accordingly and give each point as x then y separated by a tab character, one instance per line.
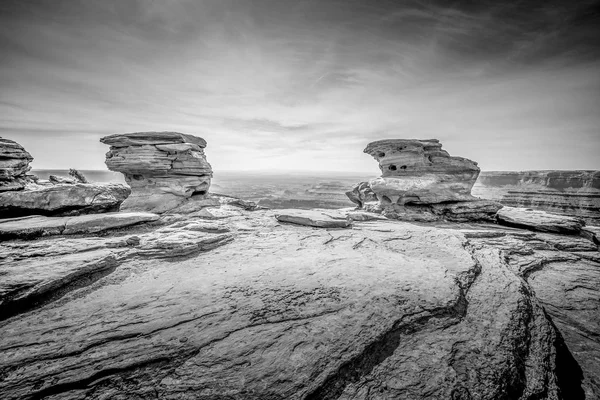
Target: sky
298	85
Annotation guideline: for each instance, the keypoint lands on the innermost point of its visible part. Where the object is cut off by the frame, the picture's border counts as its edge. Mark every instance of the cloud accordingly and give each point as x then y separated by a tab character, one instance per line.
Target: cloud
303	84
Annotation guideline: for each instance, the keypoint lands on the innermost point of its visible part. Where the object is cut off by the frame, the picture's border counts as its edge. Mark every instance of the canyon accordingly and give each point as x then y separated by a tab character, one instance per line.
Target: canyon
215	297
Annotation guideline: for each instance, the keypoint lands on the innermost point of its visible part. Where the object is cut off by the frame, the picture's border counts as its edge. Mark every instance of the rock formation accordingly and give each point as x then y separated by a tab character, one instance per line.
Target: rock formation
539	220
14	165
163	169
420	172
281	312
572	193
421	182
22	194
47	198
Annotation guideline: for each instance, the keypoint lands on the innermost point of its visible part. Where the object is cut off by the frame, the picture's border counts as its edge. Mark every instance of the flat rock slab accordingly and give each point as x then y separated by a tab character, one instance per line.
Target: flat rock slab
315	218
539	220
45	226
386	308
28	282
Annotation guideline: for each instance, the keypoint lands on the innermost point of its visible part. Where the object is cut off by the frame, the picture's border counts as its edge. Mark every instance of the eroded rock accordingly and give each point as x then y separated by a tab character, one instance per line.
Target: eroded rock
420	172
164	169
315	218
62	199
539	220
35	226
14	165
385	310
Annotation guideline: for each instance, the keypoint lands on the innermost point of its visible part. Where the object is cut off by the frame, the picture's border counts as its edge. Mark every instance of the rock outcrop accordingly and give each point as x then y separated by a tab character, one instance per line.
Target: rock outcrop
384	310
59	199
564	271
539	220
164	169
22	194
421	182
572	193
14	165
420	172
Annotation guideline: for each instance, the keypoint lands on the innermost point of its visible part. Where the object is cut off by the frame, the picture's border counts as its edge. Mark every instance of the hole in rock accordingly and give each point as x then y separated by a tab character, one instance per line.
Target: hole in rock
392	167
385	199
403	167
380	155
198	192
138	177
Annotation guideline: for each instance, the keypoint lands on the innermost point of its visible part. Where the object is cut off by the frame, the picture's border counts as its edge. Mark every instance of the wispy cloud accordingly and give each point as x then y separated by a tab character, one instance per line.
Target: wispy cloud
304	84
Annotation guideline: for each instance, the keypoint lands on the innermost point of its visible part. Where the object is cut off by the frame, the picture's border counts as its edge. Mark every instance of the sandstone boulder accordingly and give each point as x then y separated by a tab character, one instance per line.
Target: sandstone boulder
421	182
14	165
62	199
163	169
420	172
539	220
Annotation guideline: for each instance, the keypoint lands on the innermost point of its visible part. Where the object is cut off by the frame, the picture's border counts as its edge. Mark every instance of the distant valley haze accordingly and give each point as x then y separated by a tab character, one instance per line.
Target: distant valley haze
304	85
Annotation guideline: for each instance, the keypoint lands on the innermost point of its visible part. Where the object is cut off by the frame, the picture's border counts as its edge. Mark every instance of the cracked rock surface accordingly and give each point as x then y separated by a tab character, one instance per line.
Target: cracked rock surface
564	273
226	303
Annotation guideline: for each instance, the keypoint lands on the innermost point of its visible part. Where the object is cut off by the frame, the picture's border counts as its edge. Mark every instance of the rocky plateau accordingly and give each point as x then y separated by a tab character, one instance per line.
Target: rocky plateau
218	298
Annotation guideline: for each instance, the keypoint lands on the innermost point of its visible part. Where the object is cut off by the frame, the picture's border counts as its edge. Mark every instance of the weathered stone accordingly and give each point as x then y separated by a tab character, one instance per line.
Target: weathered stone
315	218
14	165
564	271
361	193
164	169
592	233
421	182
62	199
35	226
385	310
539	220
420	172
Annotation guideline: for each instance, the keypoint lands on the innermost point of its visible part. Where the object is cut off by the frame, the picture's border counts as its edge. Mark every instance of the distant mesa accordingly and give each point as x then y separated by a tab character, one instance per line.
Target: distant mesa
421	182
164	169
572	193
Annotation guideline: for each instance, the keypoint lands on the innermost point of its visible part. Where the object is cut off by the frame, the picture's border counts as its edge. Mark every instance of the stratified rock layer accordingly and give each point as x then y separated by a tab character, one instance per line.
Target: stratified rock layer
573	193
421	182
163	169
539	220
62	199
420	172
14	165
384	310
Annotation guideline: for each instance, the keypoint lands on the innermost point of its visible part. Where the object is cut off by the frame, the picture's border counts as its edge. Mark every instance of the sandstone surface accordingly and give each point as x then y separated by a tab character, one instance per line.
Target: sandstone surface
564	272
384	310
34	226
315	218
539	220
164	169
572	193
14	165
62	199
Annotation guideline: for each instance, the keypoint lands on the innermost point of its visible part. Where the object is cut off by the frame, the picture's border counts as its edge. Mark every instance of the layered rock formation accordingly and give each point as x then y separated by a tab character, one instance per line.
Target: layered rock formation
14	165
163	169
46	198
421	182
22	194
384	310
420	172
573	193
